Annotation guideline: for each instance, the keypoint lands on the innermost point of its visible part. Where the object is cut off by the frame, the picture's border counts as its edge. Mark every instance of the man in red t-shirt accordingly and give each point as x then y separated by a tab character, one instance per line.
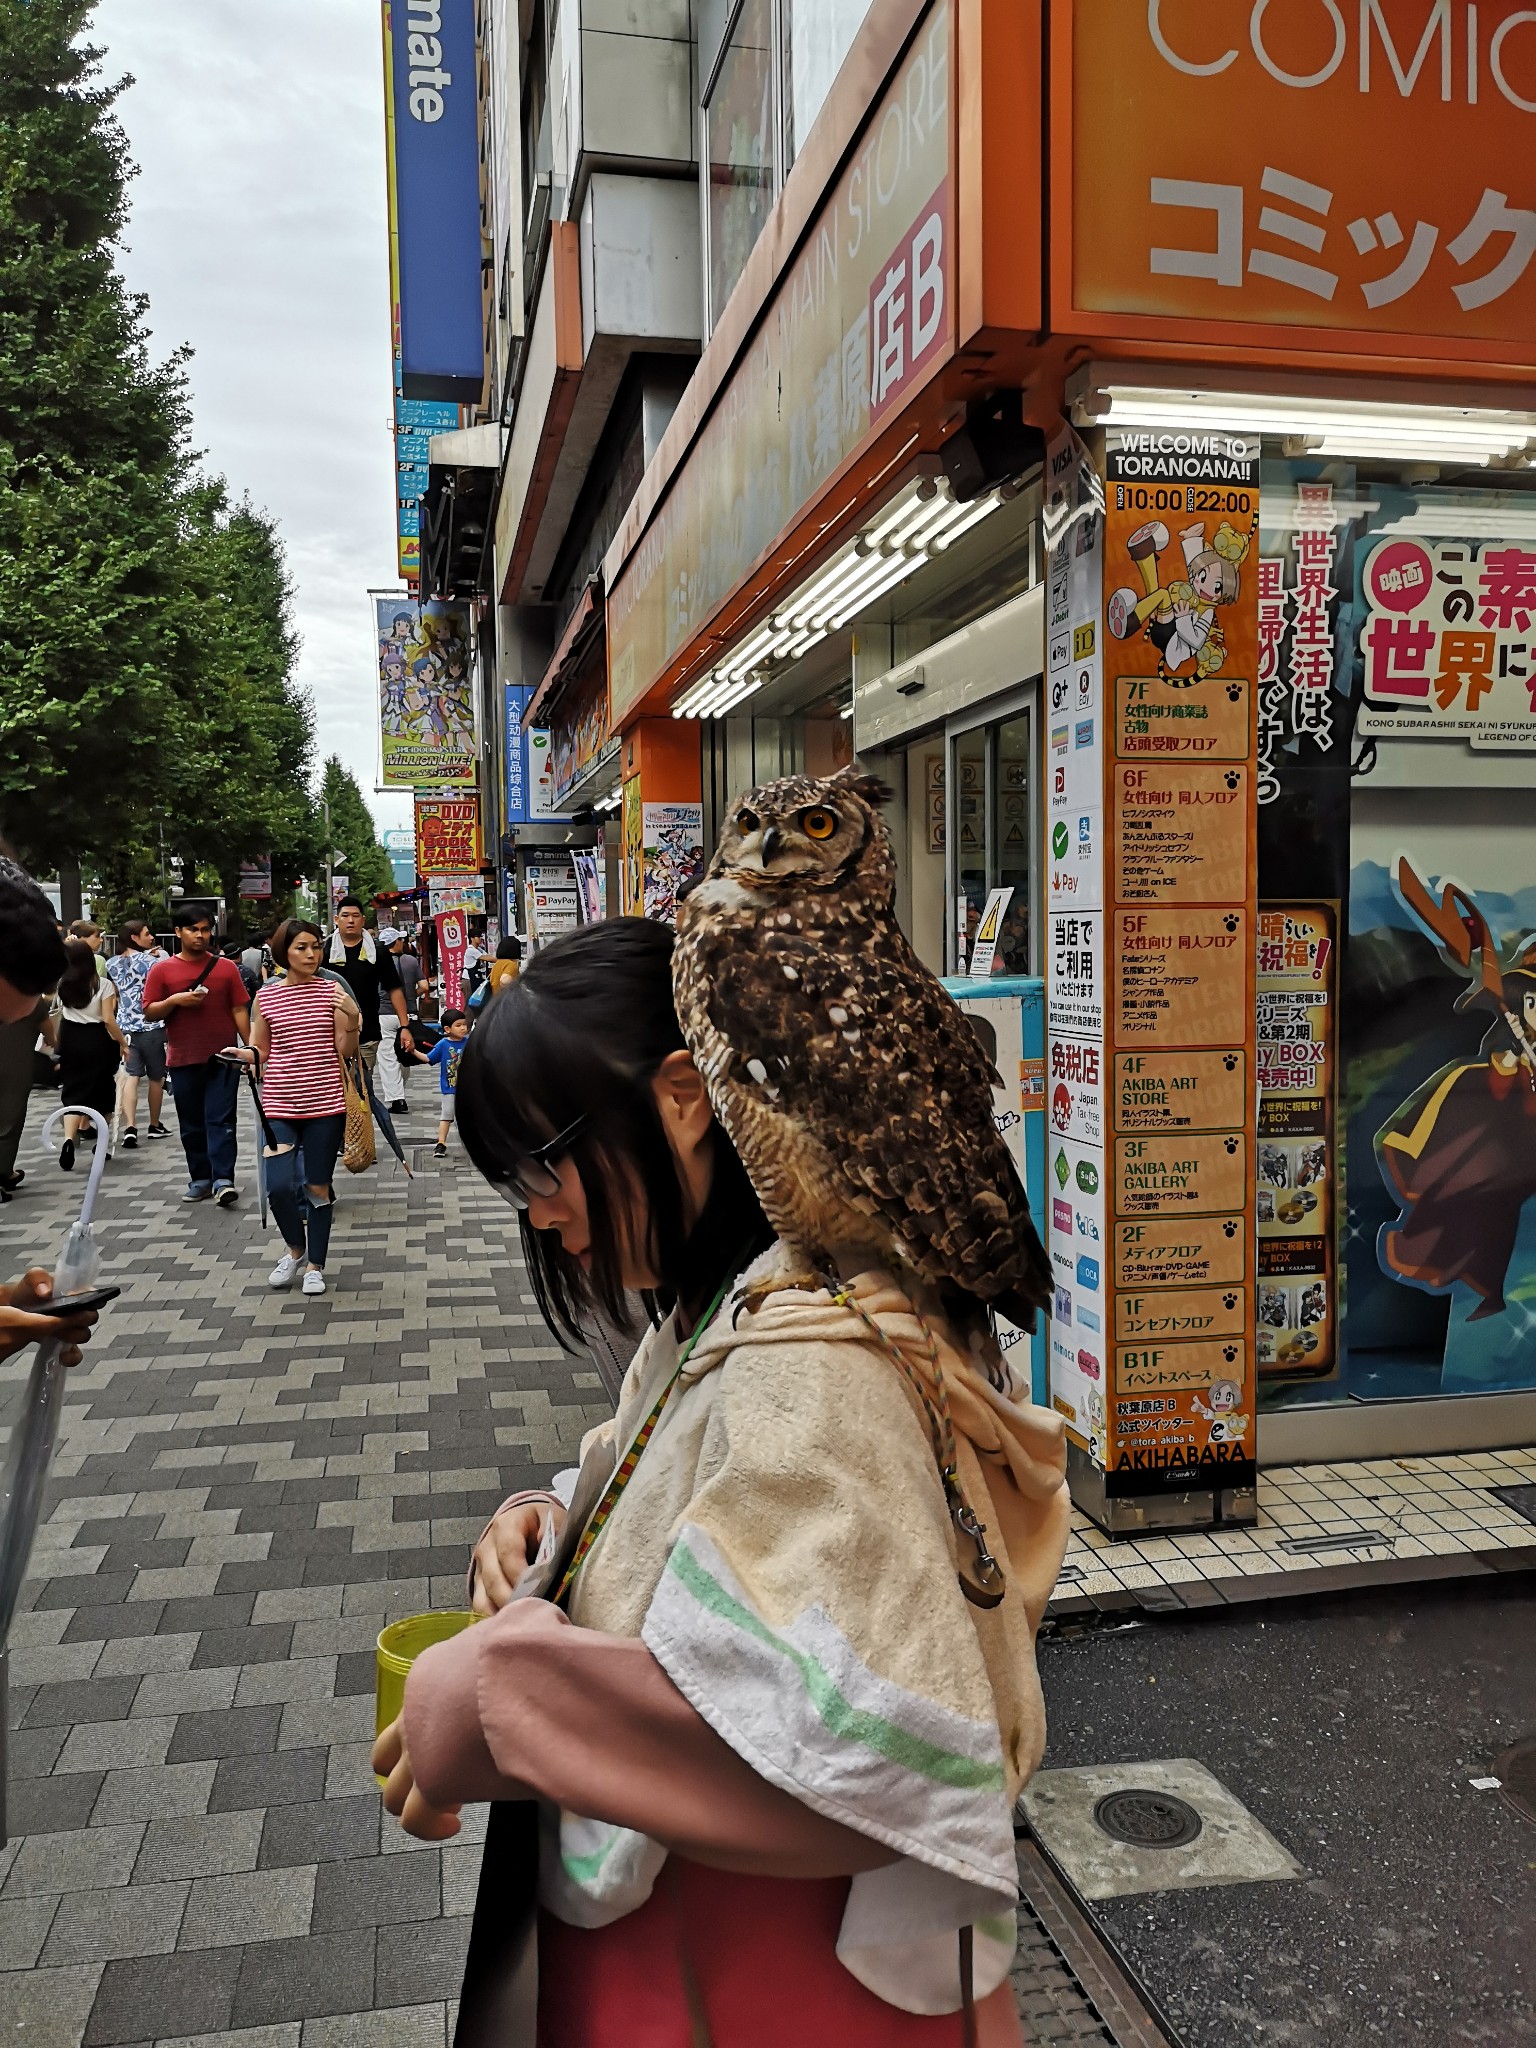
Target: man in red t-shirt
202	1002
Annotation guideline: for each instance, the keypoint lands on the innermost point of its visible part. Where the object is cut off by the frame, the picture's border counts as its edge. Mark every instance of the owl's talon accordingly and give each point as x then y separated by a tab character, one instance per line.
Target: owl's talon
793	1283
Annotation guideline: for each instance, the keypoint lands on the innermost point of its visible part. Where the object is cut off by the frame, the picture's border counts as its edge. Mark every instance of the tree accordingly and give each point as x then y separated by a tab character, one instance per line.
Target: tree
354	834
92	450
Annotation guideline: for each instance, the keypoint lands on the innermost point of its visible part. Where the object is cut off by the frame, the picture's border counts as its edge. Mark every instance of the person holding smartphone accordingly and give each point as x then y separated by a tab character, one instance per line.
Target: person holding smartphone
201	1000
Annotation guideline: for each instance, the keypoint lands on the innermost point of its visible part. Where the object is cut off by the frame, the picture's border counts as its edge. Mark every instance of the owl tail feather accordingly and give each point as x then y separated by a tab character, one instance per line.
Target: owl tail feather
1019	1309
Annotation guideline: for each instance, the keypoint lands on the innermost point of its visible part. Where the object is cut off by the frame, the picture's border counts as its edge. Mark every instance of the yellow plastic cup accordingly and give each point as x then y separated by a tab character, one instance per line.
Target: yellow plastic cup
399	1645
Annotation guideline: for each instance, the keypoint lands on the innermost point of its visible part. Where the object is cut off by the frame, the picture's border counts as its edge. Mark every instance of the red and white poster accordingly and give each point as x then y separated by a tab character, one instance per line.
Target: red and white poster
452	939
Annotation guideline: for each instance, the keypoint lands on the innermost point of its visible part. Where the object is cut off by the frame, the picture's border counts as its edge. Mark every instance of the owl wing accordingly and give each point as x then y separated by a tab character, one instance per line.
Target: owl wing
870	1052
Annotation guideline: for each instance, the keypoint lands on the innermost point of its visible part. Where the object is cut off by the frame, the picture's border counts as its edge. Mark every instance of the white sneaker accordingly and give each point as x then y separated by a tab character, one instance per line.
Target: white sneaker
282	1274
314	1282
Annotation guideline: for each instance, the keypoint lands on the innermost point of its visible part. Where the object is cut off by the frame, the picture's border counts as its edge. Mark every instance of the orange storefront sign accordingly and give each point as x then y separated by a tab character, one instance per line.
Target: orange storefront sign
448	836
1361	168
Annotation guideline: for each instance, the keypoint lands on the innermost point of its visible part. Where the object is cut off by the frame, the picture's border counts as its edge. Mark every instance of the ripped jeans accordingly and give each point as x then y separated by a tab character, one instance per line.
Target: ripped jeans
303	1217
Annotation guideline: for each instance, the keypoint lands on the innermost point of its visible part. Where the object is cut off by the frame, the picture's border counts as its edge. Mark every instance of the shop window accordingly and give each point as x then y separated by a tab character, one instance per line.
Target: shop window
740	159
990	777
816	35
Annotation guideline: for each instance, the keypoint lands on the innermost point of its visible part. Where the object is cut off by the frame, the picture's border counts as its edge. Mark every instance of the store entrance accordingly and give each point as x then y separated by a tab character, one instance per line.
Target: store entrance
990	825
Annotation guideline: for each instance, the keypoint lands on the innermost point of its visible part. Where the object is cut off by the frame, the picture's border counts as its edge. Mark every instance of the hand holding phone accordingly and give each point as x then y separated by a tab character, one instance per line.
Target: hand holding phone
85	1303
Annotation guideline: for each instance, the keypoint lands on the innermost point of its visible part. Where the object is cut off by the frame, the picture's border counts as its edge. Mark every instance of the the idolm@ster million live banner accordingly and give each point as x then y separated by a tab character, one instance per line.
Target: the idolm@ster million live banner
426	704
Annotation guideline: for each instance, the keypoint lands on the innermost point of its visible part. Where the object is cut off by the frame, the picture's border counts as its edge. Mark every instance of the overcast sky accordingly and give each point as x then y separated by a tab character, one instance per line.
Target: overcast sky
258	232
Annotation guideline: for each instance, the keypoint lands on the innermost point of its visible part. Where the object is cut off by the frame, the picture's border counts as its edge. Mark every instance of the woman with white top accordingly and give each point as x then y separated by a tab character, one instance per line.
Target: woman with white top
303	1026
90	1043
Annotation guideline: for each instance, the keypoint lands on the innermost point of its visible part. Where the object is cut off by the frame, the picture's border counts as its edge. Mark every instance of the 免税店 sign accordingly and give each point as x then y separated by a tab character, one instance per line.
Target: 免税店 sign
1354	166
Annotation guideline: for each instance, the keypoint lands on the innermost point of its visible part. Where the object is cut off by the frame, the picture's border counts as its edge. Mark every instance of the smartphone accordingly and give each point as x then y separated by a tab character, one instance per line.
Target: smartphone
80	1304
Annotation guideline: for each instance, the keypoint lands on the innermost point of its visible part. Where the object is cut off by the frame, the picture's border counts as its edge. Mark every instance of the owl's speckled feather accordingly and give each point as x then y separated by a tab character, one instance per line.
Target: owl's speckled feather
852	1085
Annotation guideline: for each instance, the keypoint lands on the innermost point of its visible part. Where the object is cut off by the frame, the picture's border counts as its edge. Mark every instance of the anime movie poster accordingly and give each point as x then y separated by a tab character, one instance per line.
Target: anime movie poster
1442	1124
426	697
673	840
1297	1058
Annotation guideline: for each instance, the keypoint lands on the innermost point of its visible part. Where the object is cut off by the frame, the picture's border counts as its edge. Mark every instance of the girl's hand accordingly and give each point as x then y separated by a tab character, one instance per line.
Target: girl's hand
401	1797
507	1550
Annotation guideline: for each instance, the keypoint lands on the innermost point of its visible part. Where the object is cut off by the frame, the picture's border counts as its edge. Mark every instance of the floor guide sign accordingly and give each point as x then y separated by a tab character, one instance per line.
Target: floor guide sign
1152	644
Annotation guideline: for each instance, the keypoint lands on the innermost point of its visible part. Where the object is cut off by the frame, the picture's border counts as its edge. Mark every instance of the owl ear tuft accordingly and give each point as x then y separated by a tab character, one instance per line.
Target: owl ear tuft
860	783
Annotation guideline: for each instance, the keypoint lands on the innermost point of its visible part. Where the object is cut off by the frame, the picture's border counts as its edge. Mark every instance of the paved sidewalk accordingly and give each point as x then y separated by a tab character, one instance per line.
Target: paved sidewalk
248	1486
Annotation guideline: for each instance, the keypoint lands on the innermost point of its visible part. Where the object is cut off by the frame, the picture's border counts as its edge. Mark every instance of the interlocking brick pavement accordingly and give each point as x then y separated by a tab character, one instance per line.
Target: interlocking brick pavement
248	1485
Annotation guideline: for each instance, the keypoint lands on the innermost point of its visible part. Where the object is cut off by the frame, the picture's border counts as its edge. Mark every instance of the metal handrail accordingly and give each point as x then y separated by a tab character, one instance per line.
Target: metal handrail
30	1450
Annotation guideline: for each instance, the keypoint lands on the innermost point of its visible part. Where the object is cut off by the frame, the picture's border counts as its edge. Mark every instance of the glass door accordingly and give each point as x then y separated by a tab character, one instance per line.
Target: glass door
990	783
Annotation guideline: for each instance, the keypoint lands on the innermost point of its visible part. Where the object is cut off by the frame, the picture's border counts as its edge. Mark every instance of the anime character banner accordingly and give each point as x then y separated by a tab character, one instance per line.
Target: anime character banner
673	837
426	699
1442	1239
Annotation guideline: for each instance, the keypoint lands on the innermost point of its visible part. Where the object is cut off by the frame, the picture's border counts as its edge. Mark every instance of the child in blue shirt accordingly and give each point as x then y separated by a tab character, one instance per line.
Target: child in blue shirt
445	1056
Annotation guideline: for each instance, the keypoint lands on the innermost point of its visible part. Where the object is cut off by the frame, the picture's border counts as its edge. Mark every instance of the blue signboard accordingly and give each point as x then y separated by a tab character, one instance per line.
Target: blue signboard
518	791
435	156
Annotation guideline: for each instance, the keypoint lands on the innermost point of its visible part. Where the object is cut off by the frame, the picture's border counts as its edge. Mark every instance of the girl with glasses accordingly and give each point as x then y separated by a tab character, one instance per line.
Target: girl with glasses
775	1757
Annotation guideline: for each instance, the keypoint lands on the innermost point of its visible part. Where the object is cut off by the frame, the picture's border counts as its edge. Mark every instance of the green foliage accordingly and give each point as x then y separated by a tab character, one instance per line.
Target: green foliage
354	834
147	703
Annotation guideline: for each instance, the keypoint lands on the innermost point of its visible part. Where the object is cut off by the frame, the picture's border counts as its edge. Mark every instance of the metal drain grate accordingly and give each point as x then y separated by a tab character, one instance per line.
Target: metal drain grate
1521	1498
1072	1989
1144	1819
1516	1773
1338	1539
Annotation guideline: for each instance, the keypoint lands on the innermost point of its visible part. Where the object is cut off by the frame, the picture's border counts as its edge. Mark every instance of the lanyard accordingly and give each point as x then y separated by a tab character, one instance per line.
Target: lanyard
621	1478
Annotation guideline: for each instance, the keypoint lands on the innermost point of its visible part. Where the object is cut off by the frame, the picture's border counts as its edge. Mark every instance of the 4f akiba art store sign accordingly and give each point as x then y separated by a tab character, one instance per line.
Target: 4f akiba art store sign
1449	641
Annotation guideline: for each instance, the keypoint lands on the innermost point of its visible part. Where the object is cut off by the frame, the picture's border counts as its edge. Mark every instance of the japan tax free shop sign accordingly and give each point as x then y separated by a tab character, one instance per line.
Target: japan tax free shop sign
1361	167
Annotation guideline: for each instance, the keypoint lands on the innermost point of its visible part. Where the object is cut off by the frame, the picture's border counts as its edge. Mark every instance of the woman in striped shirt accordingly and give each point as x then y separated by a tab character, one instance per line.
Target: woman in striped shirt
302	1028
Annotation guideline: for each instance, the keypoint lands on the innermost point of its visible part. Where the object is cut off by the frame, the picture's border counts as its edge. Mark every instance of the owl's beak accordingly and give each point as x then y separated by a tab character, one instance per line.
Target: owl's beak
769	844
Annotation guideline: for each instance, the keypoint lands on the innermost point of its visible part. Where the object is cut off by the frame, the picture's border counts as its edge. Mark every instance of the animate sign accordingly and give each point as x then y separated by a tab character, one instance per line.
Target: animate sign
1357	166
432	117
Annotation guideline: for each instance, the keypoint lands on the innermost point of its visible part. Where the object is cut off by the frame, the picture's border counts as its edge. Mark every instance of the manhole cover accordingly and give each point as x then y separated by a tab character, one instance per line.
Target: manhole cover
1147	1819
1516	1772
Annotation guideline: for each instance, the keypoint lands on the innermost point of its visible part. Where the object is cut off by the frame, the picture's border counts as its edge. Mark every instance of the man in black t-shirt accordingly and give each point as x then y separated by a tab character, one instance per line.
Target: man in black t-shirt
370	972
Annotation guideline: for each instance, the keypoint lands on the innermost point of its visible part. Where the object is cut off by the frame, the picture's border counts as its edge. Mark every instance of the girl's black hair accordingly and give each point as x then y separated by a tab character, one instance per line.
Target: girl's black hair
581	1033
77	984
287	932
509	948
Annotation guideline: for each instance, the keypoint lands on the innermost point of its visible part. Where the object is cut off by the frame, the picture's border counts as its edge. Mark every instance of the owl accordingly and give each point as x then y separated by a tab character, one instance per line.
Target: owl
854	1088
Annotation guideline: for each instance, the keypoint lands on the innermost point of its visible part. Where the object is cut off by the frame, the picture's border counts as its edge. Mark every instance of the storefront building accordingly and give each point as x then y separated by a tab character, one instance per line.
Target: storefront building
1119	434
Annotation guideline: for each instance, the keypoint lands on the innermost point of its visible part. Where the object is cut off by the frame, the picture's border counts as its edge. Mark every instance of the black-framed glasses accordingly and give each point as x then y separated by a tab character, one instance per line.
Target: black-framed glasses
532	1177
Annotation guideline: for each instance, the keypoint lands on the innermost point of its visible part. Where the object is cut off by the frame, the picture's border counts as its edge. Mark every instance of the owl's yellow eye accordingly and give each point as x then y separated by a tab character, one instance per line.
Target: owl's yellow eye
746	822
818	824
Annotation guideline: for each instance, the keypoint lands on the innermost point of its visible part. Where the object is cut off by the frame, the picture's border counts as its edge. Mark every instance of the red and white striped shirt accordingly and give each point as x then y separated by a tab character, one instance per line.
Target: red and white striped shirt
302	1077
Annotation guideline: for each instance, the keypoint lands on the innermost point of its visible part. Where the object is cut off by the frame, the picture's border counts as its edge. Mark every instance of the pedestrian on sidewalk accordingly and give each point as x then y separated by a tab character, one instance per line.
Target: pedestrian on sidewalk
368	968
143	1043
776	1755
304	1026
89	931
507	964
445	1056
389	1071
201	1000
90	1044
32	959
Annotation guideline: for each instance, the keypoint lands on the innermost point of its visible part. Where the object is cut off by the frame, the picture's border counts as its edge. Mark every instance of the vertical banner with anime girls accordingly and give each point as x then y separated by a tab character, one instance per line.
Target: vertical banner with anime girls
1180	657
426	699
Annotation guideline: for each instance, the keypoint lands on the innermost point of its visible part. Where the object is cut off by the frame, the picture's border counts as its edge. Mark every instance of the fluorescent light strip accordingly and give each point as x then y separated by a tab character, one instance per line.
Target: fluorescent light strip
876	569
1339	427
934	521
922	513
975	514
872	536
897	572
